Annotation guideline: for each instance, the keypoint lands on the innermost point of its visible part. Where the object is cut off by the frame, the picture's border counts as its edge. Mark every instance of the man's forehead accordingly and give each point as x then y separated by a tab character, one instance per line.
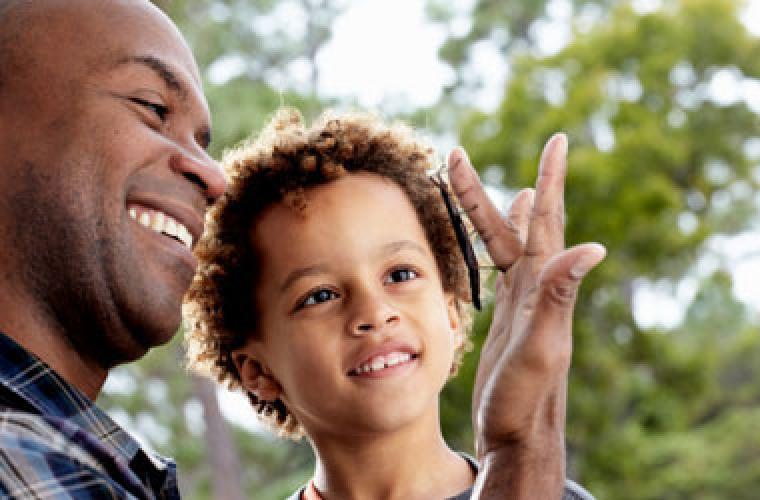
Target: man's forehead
145	37
93	29
140	36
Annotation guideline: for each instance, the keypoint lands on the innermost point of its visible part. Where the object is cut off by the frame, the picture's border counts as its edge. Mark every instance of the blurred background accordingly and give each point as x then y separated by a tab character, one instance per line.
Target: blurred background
661	103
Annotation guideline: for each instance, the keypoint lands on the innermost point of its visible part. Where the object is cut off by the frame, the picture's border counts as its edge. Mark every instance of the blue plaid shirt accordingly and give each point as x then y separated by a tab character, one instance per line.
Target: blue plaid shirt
56	444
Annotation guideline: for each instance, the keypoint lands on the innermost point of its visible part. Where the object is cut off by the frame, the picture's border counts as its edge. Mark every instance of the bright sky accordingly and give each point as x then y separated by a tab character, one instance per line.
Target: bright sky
384	51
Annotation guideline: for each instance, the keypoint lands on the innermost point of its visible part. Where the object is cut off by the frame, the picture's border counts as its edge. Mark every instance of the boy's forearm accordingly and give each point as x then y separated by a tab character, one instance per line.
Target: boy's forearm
518	471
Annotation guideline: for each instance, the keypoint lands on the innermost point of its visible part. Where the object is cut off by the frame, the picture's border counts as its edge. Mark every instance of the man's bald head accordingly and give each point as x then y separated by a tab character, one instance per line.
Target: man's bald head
88	28
10	13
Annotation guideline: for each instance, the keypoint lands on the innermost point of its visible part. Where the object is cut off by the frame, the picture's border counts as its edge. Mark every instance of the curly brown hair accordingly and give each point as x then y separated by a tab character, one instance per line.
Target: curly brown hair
279	165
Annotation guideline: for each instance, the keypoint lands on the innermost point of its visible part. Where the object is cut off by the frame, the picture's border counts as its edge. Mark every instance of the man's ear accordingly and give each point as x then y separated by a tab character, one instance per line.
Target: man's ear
255	377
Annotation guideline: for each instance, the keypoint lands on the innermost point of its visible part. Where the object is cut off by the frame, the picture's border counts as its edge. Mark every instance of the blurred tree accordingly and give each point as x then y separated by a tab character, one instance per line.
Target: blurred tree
661	159
505	30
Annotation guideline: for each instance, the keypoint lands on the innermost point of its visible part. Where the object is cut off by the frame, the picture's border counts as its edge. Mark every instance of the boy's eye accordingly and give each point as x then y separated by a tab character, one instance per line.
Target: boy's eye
399	275
159	110
318	297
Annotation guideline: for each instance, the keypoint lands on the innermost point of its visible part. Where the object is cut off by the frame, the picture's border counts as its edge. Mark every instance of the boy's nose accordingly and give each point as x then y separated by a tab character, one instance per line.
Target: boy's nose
373	318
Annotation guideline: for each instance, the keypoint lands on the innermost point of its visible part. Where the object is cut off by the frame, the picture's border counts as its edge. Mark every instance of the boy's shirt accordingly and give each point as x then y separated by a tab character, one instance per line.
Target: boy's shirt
55	443
573	491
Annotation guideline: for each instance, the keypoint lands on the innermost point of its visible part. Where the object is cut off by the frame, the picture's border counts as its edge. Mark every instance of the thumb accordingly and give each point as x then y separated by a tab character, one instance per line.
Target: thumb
561	276
558	286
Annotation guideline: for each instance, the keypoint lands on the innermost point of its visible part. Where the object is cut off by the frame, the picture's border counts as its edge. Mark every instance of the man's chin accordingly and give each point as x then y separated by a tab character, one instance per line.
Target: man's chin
143	330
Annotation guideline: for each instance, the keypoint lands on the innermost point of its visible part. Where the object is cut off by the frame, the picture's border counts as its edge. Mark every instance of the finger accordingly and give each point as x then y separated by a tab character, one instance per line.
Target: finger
562	274
518	216
502	240
546	234
558	286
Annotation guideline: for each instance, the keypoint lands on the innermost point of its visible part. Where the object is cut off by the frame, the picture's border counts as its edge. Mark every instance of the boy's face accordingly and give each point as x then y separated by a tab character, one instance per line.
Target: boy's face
355	328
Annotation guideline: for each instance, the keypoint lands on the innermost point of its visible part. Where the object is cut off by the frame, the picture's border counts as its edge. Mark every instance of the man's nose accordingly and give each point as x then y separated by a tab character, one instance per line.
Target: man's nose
197	166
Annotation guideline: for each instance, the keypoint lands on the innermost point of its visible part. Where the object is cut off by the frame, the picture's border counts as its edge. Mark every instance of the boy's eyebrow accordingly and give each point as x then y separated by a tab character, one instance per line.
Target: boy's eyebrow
301	272
388	248
397	246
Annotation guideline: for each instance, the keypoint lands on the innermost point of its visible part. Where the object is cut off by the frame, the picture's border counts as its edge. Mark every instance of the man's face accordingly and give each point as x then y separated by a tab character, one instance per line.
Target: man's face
105	130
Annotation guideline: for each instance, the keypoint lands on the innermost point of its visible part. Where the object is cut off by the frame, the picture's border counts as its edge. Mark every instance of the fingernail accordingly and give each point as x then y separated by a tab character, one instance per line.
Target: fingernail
562	137
551	149
587	261
458	155
465	156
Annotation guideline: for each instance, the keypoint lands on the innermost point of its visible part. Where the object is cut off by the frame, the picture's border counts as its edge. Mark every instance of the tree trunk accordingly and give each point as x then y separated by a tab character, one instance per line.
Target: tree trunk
221	452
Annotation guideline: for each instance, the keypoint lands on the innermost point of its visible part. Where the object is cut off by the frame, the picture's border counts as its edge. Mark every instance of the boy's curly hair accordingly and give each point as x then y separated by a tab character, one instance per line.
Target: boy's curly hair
284	161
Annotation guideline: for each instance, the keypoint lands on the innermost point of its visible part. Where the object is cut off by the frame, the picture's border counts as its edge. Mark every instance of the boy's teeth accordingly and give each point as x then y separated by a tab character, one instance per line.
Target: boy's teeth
161	223
381	362
378	363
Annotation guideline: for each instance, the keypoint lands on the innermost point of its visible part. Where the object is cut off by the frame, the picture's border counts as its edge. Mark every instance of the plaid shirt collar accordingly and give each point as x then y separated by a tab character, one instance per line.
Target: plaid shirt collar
45	392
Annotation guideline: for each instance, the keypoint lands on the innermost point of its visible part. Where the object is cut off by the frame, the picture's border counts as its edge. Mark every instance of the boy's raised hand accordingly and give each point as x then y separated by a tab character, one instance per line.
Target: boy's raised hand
519	397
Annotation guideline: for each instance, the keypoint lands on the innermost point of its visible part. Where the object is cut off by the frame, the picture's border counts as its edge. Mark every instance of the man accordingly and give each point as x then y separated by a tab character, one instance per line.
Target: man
103	118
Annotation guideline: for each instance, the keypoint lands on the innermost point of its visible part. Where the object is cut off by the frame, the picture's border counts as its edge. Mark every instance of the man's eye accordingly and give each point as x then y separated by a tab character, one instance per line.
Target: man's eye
399	275
159	110
318	297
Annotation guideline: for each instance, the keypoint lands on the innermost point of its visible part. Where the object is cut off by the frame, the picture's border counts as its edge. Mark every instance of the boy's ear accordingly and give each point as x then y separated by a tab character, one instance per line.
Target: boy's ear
455	319
255	377
453	311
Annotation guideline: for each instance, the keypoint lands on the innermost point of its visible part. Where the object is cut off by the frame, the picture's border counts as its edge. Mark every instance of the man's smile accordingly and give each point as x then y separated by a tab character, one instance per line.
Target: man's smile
175	234
161	223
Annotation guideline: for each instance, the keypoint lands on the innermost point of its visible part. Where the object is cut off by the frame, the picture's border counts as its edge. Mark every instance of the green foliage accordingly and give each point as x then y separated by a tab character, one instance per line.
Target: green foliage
655	168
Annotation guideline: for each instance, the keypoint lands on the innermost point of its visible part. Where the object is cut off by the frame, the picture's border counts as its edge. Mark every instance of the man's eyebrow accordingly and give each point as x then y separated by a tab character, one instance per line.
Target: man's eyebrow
161	69
173	82
301	272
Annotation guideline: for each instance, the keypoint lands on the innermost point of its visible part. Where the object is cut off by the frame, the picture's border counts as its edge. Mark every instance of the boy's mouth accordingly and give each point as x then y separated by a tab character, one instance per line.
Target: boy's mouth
383	362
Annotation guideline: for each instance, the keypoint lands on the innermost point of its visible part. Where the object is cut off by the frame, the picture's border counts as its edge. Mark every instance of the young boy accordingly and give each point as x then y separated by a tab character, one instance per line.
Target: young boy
331	287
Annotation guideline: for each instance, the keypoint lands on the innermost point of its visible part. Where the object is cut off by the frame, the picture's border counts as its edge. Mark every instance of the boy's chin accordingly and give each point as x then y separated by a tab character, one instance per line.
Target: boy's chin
391	417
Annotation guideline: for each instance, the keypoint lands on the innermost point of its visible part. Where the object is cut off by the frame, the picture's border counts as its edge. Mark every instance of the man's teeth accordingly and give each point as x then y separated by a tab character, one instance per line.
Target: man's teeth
381	362
162	223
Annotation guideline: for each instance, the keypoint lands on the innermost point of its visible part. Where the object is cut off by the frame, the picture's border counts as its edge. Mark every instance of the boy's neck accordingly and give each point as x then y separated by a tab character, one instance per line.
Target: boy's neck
410	463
